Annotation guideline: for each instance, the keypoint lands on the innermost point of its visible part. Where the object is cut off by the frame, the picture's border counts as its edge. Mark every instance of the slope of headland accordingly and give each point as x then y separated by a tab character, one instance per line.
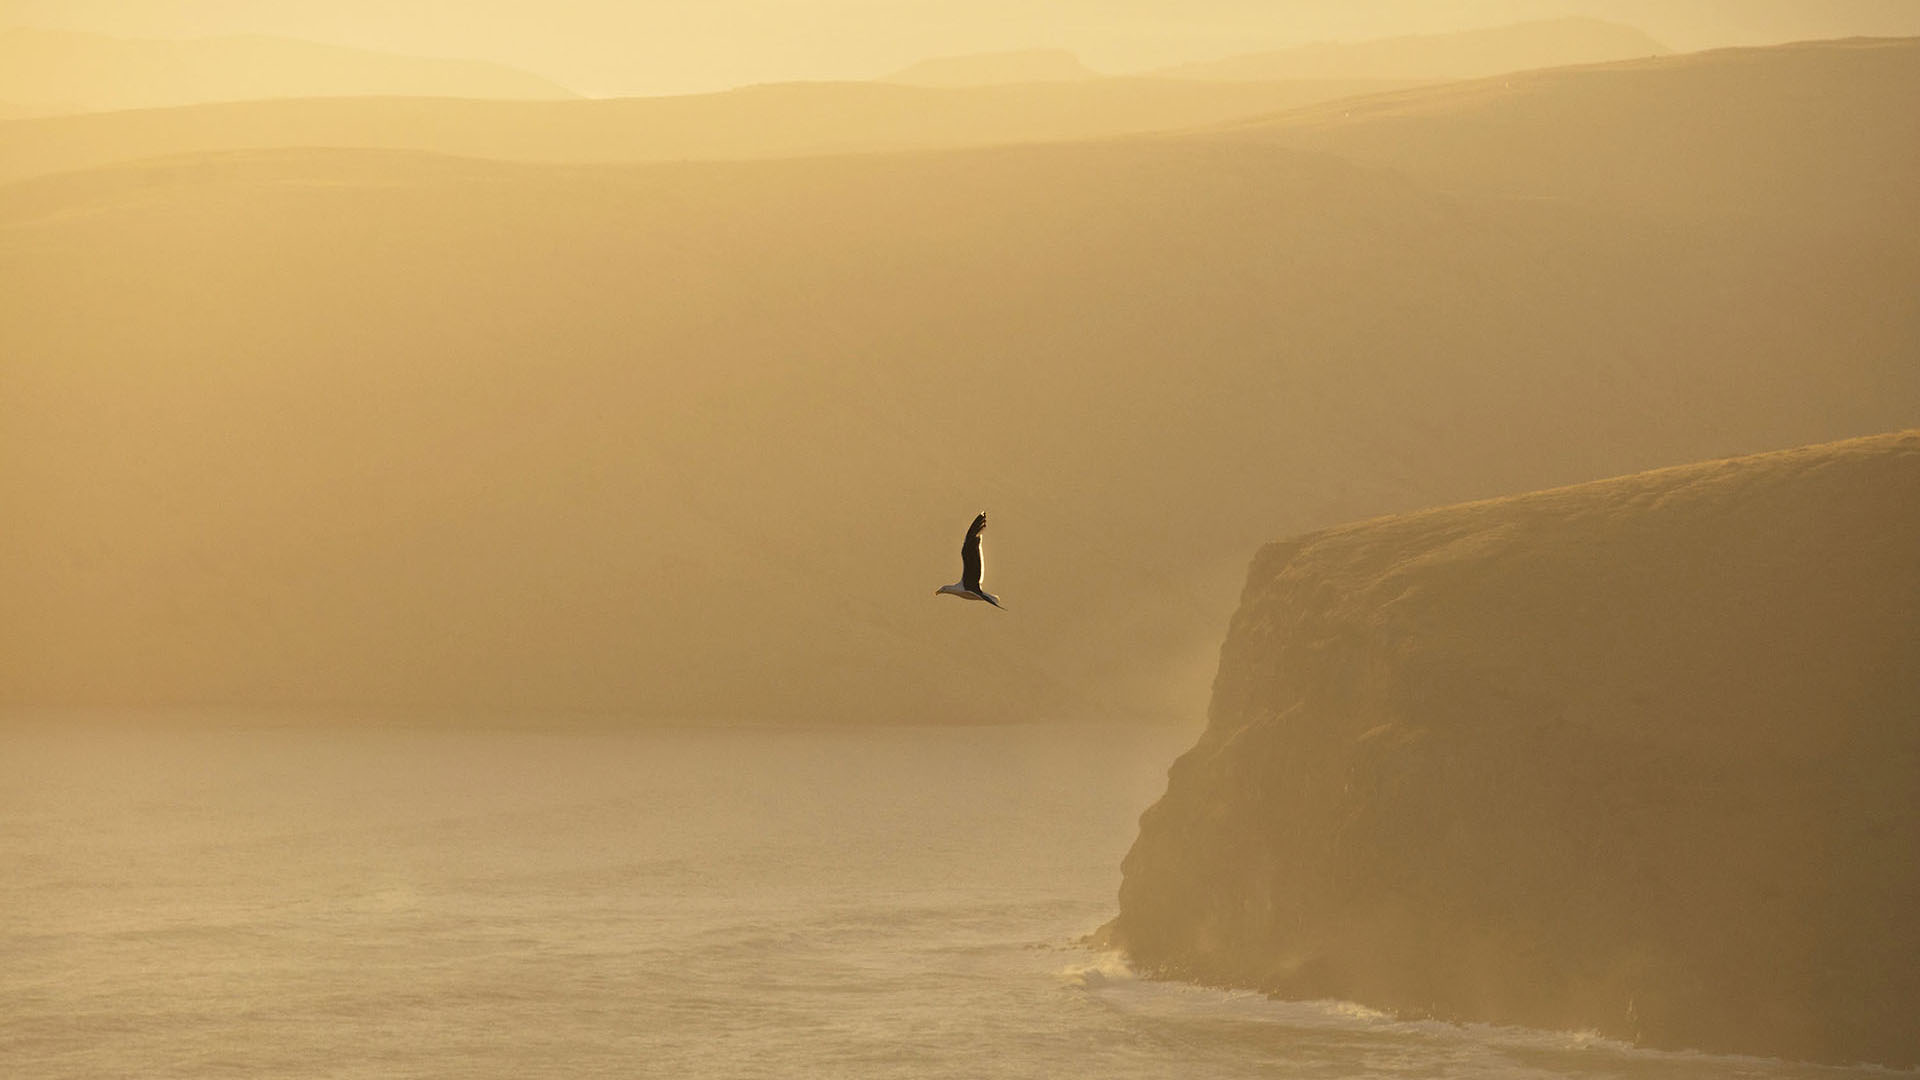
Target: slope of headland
1758	136
1460	55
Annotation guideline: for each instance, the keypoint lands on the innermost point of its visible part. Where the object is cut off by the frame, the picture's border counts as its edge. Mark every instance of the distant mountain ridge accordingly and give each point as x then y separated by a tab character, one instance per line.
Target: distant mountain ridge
1461	55
994	69
776	120
78	71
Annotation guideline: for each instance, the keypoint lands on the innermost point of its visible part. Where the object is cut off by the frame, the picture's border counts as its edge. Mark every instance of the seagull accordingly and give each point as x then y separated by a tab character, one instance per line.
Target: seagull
968	587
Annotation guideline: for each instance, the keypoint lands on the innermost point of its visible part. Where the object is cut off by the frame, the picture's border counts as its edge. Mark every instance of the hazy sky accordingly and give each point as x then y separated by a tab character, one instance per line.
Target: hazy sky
649	46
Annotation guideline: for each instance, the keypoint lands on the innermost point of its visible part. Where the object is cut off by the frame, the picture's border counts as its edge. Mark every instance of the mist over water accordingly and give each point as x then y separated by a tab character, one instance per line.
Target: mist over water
384	903
577	405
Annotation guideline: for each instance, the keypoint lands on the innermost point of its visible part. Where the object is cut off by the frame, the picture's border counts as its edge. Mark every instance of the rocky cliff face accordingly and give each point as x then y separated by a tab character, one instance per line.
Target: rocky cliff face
1640	756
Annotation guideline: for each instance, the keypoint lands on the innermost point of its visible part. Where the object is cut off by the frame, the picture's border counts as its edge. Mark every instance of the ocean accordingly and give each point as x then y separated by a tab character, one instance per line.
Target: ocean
293	902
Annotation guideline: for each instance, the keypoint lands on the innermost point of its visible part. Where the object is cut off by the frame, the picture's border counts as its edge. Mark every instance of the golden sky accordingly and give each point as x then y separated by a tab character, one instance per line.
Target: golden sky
624	47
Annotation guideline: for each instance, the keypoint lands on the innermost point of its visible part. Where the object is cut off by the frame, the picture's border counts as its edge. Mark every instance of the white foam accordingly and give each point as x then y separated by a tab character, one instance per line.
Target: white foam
1105	969
1504	1050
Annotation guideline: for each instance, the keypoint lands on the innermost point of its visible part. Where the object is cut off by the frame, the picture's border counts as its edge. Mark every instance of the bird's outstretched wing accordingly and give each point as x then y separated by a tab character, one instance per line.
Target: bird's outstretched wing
971	562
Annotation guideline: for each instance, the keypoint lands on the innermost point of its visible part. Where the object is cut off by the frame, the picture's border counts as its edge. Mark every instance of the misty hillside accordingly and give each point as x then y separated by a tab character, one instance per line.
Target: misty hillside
1819	135
1639	757
330	428
1462	55
782	120
77	71
991	69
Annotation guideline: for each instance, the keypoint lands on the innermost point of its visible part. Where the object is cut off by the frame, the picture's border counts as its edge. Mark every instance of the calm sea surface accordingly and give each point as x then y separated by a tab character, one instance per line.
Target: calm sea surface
845	903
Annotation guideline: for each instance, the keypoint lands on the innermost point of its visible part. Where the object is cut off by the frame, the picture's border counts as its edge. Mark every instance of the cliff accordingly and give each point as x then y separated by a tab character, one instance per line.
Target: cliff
1639	756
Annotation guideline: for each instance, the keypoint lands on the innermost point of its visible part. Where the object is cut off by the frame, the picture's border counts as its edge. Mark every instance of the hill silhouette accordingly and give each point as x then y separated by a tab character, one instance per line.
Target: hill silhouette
381	429
781	120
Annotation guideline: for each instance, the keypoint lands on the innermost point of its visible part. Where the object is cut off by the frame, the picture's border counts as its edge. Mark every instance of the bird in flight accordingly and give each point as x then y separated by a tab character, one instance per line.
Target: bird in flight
971	566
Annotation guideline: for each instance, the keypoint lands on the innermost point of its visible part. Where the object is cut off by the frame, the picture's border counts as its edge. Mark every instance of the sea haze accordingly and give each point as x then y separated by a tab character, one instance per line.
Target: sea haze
842	902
